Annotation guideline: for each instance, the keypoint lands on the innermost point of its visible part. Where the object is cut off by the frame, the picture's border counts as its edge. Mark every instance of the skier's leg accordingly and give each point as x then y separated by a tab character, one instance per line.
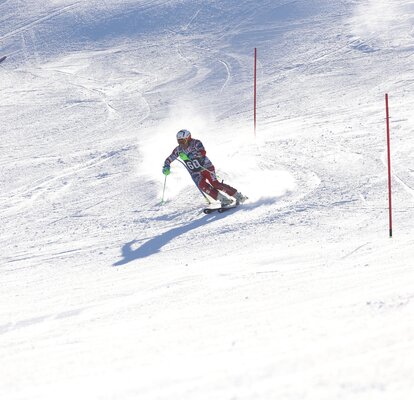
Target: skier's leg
231	191
196	179
201	182
205	186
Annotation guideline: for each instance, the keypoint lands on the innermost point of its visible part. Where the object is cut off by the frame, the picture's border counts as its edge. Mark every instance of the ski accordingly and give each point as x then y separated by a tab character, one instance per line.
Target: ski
2	59
209	210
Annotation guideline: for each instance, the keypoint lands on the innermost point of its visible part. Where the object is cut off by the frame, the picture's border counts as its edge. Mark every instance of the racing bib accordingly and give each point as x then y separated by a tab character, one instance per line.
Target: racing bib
193	165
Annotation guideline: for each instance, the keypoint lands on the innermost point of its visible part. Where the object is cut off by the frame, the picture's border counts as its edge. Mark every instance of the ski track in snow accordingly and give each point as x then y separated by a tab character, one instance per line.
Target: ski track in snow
228	75
26	26
297	294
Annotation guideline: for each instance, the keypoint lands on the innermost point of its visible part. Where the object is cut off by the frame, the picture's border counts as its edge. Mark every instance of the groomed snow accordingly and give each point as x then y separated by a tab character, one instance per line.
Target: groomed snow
299	294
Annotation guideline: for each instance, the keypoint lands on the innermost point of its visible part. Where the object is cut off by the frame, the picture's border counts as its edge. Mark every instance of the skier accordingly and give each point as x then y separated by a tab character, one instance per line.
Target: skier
192	152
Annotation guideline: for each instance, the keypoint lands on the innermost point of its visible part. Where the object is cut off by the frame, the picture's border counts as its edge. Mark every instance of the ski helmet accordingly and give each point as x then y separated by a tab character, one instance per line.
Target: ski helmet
184	135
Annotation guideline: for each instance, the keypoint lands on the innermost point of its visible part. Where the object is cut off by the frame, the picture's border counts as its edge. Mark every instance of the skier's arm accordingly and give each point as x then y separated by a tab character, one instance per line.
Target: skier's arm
200	153
200	149
173	156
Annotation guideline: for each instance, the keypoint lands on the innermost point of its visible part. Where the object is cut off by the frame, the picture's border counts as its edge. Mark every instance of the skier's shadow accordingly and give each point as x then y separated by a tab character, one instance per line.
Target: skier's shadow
154	245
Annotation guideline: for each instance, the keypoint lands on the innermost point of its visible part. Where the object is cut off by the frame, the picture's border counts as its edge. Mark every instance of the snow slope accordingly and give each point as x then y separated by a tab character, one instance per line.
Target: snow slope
299	294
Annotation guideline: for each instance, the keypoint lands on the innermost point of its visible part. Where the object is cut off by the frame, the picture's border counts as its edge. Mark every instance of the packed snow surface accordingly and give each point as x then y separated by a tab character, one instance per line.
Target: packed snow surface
109	293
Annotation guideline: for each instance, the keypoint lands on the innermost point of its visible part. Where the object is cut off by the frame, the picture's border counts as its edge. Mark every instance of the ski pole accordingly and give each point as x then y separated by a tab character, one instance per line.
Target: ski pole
163	191
204	195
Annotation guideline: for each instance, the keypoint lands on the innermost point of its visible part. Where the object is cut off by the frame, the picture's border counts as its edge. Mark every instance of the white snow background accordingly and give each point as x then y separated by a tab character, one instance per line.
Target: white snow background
298	294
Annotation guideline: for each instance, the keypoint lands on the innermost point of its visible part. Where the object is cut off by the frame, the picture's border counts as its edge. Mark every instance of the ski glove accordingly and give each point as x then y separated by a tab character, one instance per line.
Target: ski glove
166	170
184	156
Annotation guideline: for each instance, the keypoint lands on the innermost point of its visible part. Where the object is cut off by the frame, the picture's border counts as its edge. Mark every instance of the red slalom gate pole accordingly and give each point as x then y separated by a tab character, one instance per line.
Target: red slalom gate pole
389	163
255	89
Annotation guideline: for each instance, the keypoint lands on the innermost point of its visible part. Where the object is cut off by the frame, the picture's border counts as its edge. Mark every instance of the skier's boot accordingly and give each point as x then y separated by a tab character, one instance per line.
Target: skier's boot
224	201
240	198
